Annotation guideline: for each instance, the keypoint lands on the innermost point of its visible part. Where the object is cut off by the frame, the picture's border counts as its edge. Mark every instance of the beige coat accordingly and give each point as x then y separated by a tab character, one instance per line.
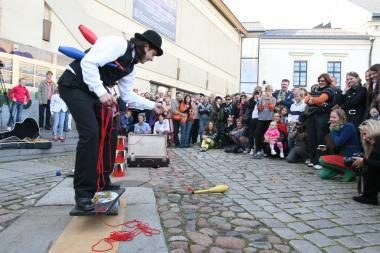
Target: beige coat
42	94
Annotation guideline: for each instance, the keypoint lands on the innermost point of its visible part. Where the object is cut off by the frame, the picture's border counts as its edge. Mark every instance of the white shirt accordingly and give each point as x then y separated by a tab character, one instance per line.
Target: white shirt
161	128
295	110
255	113
105	50
57	104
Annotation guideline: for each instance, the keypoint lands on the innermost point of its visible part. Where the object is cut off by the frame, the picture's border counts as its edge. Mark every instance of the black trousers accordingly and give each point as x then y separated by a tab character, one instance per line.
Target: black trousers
252	124
317	127
86	111
261	128
194	131
176	125
44	109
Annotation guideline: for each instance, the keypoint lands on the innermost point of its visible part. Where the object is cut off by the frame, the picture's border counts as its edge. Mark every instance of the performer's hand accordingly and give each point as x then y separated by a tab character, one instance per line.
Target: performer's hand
158	108
358	162
107	99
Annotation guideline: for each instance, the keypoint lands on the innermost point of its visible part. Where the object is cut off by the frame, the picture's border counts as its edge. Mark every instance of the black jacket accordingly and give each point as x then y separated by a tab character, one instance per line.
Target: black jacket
354	104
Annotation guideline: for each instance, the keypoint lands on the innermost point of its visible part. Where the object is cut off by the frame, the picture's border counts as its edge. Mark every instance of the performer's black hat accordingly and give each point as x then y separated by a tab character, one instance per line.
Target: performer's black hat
153	38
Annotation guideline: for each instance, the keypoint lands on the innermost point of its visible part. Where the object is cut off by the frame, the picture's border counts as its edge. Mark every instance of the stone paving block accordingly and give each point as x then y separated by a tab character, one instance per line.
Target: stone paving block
319	239
284	217
308	216
262	202
300	210
273	223
363	228
304	246
286	233
369	250
336	249
300	227
321	224
372	238
335	232
261	214
353	242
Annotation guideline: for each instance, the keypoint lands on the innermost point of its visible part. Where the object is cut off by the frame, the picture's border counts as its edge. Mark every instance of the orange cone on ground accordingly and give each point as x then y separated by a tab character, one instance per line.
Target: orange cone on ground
120	162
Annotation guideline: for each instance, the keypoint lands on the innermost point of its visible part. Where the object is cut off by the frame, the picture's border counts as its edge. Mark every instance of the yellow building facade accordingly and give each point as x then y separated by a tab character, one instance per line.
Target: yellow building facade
201	39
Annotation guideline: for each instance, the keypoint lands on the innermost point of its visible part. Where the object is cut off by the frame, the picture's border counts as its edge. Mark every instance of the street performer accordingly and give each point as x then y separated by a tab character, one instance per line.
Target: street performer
84	86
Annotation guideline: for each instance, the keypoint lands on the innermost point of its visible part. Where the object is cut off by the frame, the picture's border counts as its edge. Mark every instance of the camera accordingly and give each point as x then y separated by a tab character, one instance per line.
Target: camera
348	161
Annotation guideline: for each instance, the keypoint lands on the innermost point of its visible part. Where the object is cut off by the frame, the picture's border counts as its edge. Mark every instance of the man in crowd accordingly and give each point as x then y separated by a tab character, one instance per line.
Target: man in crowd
284	97
45	91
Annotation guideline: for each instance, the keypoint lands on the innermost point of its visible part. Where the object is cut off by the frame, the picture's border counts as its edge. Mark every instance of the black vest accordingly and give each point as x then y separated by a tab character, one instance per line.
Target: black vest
109	75
326	107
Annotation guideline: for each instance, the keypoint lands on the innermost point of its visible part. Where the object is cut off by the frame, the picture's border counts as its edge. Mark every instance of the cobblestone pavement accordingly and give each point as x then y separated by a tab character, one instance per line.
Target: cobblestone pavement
19	193
310	214
272	206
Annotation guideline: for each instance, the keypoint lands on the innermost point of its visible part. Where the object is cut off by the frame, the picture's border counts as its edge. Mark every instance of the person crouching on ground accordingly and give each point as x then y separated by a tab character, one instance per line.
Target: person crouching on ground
370	162
239	136
142	127
209	136
344	139
271	136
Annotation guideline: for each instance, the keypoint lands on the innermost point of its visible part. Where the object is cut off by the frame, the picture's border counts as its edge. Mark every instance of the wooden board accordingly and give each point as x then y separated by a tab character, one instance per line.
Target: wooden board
83	232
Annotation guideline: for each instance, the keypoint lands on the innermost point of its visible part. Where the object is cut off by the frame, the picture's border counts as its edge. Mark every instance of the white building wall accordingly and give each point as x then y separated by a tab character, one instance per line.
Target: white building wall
277	57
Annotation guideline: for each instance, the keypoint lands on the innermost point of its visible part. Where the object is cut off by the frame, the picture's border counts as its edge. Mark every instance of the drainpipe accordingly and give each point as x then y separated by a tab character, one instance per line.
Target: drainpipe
372	40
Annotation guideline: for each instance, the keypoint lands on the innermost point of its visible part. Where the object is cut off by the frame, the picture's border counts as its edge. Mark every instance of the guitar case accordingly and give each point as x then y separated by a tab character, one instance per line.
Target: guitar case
24	135
147	150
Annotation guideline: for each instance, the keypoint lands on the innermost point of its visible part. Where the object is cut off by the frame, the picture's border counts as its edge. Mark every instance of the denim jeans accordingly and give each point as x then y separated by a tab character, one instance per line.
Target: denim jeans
185	133
59	120
15	113
202	125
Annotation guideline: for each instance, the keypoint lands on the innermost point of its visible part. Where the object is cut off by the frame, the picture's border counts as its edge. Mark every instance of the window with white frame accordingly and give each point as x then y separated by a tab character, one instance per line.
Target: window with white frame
334	69
300	74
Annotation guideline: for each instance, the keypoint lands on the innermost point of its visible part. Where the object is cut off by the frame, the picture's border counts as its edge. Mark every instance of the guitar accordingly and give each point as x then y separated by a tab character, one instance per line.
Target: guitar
26	129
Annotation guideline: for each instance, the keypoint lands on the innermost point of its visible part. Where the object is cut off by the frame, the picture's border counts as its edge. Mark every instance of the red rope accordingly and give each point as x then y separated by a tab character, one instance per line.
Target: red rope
133	229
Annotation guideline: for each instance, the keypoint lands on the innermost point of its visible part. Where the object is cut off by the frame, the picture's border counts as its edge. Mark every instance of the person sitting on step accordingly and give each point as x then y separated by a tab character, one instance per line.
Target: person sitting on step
209	136
343	138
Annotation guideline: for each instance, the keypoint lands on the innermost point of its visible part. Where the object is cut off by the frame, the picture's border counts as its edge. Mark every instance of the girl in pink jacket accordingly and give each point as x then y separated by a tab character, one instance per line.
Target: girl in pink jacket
271	136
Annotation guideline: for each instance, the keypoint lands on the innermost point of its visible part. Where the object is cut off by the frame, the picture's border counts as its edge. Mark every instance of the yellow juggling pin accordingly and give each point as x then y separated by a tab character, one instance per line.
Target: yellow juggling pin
217	189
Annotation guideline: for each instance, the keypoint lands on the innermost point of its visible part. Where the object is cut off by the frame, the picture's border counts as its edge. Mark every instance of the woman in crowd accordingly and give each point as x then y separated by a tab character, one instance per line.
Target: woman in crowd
353	99
370	163
343	139
265	106
319	102
209	137
204	110
142	127
253	115
186	107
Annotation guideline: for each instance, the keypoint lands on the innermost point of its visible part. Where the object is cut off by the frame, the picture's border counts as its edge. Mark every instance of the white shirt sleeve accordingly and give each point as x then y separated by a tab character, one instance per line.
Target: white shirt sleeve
131	98
106	49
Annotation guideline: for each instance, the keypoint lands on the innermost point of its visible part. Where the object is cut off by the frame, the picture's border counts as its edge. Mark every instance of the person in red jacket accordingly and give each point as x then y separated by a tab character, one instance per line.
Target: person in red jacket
18	96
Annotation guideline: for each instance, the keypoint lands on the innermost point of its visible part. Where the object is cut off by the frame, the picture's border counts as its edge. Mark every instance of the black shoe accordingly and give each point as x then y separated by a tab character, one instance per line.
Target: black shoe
366	200
111	187
84	204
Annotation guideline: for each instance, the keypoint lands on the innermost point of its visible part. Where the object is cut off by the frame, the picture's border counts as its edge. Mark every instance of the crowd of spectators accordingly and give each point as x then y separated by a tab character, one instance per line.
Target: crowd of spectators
333	130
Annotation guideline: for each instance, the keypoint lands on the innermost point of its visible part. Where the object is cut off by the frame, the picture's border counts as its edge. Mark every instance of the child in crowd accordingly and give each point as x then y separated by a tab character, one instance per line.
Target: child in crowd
271	136
126	122
299	151
161	126
58	108
284	114
374	113
296	109
142	127
208	139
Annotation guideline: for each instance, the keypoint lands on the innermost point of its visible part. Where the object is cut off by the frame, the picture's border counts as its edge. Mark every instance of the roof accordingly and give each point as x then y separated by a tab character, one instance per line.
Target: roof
372	6
254	26
313	34
228	15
